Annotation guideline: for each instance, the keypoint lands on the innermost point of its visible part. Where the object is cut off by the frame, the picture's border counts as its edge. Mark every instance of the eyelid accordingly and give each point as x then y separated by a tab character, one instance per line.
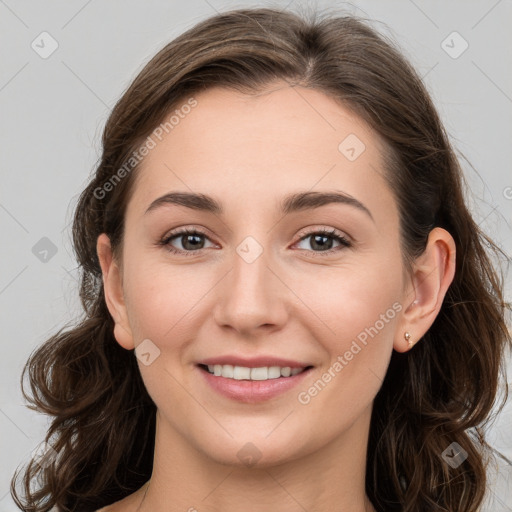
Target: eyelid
344	240
184	230
187	228
311	230
304	232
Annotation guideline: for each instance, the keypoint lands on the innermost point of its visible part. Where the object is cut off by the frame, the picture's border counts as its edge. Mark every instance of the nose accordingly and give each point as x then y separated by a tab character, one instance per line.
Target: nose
252	297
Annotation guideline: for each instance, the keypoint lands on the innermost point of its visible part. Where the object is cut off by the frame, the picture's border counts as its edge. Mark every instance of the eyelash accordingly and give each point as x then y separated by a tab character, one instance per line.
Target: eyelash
333	233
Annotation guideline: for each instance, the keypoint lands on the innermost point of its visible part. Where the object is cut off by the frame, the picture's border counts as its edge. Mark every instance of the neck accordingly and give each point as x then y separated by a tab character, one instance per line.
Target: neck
330	478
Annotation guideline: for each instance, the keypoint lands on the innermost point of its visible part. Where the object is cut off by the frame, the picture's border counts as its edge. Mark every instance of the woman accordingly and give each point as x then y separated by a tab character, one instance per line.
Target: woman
288	305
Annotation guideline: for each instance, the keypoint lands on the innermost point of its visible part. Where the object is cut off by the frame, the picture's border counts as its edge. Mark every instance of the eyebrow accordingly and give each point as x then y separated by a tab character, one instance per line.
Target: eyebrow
291	203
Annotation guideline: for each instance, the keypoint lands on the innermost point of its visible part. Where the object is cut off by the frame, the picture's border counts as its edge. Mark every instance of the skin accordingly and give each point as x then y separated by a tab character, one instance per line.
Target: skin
293	301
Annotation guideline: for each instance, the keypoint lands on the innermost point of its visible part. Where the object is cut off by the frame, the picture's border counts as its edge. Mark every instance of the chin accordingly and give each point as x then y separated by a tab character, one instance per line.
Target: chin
256	452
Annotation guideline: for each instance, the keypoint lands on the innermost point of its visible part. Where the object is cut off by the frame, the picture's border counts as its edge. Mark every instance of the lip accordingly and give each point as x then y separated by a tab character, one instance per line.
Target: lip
252	391
254	362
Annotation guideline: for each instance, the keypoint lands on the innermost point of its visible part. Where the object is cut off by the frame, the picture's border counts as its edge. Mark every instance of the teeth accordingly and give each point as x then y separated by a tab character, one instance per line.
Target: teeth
239	372
244	373
286	371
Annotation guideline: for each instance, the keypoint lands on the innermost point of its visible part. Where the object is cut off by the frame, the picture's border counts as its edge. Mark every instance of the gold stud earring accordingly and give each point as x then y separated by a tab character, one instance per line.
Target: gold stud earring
407	337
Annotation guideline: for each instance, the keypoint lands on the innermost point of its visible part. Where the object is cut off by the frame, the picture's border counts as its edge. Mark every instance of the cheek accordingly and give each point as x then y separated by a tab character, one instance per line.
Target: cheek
162	298
354	299
361	310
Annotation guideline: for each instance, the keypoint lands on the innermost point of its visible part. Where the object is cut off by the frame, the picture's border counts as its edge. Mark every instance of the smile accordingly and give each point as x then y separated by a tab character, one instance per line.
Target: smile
245	373
252	385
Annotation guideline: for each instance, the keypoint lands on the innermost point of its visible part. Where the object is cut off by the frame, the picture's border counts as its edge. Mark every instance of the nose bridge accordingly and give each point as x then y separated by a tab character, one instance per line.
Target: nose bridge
251	295
250	268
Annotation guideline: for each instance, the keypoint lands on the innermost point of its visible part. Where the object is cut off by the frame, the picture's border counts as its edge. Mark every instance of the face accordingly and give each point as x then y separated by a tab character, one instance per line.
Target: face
319	284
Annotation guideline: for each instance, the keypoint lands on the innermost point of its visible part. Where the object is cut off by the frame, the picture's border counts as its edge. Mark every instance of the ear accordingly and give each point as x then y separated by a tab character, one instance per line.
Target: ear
433	272
114	296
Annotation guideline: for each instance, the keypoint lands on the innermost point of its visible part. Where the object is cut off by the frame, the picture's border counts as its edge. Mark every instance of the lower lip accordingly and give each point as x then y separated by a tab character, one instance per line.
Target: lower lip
252	391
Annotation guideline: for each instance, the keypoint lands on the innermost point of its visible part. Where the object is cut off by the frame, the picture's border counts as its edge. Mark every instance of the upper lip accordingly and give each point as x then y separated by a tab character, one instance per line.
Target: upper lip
253	362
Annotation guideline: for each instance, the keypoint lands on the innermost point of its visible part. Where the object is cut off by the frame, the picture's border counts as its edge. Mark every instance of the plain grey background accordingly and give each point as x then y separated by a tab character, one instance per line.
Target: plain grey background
53	109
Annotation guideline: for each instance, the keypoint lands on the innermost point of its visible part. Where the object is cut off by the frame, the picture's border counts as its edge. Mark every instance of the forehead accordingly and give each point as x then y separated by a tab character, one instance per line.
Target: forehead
251	148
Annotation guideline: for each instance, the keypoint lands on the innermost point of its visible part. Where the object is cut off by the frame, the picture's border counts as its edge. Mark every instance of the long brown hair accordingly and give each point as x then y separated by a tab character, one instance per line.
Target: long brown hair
102	432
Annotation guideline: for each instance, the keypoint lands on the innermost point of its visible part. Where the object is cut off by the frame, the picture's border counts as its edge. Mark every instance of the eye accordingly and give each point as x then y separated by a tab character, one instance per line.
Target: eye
192	241
322	241
189	239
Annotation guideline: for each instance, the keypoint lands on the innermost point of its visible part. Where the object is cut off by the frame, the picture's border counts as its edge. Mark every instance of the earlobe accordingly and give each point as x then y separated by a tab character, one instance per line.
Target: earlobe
113	289
433	272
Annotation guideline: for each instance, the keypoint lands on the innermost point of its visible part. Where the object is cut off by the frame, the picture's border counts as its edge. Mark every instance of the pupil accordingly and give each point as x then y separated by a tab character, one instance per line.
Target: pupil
188	239
324	238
